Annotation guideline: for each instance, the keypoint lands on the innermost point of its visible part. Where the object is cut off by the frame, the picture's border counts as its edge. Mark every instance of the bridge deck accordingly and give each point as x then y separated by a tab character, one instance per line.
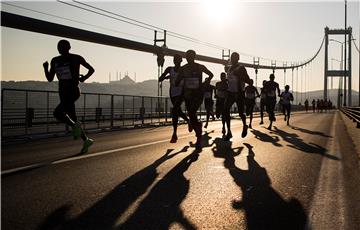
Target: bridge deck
304	174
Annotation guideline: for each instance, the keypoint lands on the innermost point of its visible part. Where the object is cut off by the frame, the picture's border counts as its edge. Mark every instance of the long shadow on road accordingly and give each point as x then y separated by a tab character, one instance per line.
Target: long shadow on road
310	131
161	207
263	206
297	143
266	138
104	213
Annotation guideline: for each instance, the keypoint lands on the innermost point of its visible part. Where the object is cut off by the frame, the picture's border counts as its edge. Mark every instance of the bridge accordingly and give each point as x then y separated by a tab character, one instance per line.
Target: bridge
298	176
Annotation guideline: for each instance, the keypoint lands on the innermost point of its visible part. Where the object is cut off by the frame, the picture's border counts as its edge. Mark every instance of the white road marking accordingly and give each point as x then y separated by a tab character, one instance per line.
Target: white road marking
32	166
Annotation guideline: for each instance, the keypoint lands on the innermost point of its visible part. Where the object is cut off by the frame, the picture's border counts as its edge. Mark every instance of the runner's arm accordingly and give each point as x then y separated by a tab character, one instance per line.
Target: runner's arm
49	74
90	70
165	74
257	92
208	72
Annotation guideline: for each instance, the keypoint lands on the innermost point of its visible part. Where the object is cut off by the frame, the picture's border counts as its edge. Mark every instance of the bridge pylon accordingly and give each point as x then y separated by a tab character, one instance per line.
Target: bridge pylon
345	72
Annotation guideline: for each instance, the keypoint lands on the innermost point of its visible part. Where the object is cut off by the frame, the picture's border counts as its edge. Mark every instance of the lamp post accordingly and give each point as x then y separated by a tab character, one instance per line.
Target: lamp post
341	65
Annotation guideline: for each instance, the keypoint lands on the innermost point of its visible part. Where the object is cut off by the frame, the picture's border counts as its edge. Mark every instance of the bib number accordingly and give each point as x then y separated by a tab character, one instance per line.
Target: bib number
271	93
191	83
63	73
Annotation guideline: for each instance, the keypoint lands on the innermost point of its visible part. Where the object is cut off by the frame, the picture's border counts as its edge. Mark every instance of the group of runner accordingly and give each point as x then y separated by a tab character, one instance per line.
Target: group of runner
186	85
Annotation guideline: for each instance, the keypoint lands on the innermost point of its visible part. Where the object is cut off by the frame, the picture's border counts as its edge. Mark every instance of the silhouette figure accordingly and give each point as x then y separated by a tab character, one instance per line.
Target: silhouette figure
191	73
270	89
310	131
208	90
67	69
263	206
161	207
287	98
251	93
262	103
176	96
266	138
237	77
104	213
220	95
297	143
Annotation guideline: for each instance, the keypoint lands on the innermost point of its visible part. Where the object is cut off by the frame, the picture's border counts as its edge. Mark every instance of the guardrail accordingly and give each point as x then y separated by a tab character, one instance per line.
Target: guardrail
30	112
25	113
353	113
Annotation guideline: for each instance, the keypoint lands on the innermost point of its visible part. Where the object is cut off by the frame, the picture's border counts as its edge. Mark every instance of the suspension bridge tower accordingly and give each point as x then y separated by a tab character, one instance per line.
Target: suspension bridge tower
345	72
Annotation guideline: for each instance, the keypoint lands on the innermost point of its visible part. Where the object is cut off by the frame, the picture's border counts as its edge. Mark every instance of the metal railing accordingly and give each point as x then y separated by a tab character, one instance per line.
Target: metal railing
353	113
25	113
30	112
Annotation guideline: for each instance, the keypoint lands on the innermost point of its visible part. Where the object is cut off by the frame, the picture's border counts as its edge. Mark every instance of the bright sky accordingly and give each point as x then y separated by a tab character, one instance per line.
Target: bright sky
291	31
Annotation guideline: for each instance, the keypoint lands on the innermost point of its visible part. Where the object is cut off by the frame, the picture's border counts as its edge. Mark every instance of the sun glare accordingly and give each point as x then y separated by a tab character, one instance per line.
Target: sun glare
217	10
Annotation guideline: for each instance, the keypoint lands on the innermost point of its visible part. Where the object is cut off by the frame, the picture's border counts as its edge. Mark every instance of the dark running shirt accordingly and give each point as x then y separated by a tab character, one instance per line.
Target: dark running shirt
237	77
270	89
221	89
250	92
208	91
67	69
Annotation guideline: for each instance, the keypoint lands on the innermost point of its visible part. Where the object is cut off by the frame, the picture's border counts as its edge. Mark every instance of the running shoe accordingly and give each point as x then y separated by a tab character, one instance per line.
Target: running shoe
173	138
87	143
76	130
244	132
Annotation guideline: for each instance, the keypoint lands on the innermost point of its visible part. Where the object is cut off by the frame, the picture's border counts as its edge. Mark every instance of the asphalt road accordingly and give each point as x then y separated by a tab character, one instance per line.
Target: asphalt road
303	176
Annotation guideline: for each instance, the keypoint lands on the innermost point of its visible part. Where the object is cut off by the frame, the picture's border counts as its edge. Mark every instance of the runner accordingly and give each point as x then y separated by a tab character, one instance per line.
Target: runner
270	89
287	97
191	73
220	95
237	77
262	103
313	105
176	96
306	105
250	95
67	69
208	90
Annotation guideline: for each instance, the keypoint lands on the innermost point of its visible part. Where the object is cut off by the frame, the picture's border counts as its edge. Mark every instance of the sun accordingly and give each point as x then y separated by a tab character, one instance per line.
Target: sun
217	10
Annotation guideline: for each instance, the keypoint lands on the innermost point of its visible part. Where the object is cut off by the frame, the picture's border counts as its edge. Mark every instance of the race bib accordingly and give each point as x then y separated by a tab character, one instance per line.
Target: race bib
192	83
250	95
271	93
207	95
63	73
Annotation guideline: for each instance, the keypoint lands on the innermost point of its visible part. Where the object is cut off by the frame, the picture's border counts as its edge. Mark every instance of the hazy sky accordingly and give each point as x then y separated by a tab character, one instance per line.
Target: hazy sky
290	31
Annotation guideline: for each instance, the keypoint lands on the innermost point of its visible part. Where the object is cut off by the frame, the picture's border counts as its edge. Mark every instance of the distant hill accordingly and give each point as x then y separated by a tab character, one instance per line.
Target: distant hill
146	88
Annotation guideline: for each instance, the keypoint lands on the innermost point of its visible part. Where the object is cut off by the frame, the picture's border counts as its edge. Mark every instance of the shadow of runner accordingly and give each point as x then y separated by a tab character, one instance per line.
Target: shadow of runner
299	144
205	140
266	138
309	131
104	213
263	206
161	207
